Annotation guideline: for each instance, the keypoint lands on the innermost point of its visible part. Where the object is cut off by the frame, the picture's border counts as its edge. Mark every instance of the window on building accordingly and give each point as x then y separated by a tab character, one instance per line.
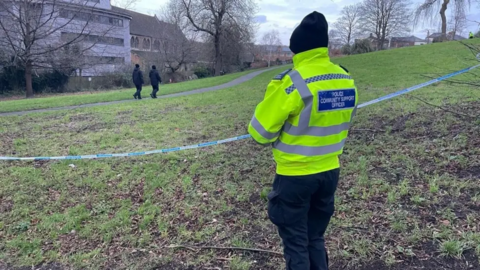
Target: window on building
132	42
89	17
156	45
137	42
146	43
65	36
63	13
107	60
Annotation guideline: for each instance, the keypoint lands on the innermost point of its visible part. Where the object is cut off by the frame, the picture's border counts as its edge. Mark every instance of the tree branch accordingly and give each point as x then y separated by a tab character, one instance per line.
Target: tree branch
192	21
447	110
193	248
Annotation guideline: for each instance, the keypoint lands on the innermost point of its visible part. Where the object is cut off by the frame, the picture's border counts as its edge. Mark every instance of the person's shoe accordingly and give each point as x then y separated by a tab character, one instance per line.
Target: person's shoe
139	97
134	96
151	95
155	96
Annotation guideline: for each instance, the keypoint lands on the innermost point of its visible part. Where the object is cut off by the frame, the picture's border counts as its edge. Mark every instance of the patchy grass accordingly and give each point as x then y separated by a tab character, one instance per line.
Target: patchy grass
112	95
404	67
408	198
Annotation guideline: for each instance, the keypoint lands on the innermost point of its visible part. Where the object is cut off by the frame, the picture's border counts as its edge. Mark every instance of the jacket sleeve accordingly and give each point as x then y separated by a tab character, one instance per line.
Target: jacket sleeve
158	77
271	114
141	77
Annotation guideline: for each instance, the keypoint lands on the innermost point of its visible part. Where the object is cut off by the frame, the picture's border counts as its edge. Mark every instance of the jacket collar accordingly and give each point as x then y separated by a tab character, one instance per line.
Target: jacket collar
310	56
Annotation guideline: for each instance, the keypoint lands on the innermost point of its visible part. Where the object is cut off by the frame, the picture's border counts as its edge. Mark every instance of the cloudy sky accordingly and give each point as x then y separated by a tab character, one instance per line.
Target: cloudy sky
284	15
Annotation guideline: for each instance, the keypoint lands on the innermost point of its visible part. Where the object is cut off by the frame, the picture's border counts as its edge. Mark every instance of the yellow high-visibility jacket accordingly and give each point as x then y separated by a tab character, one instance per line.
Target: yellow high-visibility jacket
306	114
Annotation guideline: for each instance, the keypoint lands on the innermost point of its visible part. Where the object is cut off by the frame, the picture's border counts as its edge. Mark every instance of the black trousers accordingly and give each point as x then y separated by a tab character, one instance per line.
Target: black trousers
301	207
154	89
139	89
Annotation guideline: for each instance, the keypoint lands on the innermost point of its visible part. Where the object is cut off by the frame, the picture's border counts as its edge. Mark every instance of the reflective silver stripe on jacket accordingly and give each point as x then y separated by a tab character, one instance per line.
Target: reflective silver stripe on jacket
309	150
262	131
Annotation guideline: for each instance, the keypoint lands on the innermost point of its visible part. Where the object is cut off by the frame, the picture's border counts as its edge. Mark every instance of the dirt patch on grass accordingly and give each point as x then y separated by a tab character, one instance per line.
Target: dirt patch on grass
433	123
196	139
224	260
122	113
469	262
88	127
449	142
82	117
6	205
72	243
47	266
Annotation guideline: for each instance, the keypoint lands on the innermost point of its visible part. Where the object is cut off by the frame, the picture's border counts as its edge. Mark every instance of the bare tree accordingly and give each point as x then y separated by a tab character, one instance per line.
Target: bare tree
252	50
458	21
235	46
271	42
335	39
428	10
384	18
174	13
175	48
125	4
348	25
177	42
37	33
212	16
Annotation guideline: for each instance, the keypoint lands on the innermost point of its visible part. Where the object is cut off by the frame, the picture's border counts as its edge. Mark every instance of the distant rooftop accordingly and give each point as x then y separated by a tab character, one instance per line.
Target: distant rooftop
145	25
449	35
407	39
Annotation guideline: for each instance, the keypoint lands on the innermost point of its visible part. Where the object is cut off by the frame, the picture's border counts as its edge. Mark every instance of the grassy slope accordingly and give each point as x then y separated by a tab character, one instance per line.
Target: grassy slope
95	97
409	188
404	67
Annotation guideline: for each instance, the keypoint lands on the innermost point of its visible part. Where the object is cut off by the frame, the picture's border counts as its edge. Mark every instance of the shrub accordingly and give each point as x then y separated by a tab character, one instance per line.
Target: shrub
335	52
12	79
202	72
361	46
346	49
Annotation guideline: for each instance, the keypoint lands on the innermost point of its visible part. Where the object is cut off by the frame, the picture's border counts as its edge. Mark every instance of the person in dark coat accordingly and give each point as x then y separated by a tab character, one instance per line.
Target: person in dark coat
154	80
137	78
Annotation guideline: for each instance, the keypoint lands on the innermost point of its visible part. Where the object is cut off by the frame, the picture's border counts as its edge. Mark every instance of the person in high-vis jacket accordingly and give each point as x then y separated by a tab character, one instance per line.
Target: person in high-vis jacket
471	35
305	115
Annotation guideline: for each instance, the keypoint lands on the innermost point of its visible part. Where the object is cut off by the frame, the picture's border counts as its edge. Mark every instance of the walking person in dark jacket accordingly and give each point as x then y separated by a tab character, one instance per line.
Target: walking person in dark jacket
154	80
137	78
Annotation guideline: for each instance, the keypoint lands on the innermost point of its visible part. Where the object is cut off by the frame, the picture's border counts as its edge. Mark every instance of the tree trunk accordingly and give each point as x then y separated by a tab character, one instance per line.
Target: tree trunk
218	64
28	79
28	62
269	57
443	10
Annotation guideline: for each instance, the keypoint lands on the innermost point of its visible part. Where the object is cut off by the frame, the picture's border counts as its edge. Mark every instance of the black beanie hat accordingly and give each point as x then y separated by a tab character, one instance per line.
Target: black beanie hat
312	33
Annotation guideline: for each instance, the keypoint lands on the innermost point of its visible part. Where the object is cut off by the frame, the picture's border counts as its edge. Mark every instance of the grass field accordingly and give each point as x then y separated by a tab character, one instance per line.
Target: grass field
409	195
112	95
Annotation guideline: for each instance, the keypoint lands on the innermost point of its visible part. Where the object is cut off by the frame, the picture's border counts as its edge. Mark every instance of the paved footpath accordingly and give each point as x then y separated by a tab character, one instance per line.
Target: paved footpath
235	82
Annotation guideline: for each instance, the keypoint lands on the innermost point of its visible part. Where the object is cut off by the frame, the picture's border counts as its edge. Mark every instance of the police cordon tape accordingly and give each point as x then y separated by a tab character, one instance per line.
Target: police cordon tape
242	137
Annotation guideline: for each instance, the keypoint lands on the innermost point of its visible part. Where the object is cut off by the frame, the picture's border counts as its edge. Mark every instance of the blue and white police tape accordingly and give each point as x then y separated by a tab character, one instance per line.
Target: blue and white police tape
193	146
167	150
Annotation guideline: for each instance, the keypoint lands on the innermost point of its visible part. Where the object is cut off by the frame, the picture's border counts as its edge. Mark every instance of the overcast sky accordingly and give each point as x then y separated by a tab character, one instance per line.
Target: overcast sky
284	15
